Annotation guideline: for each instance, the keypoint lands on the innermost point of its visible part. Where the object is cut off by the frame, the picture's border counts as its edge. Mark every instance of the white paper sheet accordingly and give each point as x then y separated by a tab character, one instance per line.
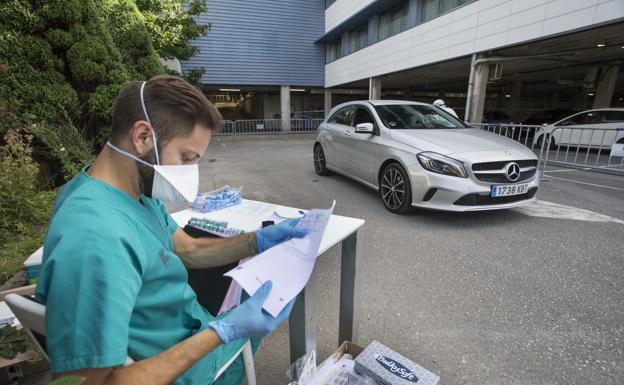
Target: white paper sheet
288	265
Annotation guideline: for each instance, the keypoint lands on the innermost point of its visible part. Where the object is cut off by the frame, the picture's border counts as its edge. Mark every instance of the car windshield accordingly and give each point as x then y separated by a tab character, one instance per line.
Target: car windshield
415	117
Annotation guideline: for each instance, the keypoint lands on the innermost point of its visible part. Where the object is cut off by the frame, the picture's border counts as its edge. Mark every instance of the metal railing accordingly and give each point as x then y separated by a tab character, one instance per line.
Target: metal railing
524	134
268	126
587	148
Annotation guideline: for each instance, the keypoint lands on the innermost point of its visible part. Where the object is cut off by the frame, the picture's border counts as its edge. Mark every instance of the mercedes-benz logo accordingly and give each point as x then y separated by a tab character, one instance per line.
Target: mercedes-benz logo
513	171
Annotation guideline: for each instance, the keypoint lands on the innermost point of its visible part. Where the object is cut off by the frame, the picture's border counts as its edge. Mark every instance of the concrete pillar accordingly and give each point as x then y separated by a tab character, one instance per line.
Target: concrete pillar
605	86
580	100
285	107
373	29
477	89
374	88
328	100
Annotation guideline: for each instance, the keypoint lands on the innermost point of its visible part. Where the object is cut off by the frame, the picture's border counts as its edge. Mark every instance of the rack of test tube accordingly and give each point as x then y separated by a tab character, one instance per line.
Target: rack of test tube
219	228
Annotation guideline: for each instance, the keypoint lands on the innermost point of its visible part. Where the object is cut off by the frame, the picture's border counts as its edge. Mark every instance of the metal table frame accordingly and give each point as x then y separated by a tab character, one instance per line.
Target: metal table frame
302	322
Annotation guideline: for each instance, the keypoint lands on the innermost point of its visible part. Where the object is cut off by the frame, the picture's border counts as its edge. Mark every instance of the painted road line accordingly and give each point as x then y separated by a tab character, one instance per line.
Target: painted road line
567	170
586	183
545	209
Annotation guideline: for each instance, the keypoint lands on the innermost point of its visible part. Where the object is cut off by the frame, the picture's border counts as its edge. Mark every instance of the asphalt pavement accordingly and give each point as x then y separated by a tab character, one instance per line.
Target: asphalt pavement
497	297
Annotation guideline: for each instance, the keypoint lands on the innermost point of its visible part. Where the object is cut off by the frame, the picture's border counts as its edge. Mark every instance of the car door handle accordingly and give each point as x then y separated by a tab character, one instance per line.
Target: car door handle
348	133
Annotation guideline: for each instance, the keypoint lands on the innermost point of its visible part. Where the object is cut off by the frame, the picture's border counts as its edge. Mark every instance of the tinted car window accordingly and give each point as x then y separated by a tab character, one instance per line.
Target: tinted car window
414	117
574	120
595	117
342	116
615	116
362	116
541	118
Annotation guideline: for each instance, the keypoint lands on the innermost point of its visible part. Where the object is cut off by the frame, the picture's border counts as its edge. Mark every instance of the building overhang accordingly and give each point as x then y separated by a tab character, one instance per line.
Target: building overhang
358	19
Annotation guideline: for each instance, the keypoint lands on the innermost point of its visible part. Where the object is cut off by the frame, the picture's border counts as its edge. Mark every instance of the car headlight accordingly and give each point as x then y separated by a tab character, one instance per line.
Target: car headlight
441	164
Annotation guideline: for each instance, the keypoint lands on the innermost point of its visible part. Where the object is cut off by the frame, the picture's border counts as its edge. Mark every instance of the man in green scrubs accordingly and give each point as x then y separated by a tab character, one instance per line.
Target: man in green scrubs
114	276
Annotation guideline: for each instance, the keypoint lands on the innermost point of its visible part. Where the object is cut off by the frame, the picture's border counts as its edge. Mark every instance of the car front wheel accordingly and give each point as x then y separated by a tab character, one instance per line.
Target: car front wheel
319	160
395	189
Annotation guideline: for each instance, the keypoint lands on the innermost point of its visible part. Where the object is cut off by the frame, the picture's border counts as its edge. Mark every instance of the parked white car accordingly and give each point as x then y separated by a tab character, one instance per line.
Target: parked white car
416	154
598	128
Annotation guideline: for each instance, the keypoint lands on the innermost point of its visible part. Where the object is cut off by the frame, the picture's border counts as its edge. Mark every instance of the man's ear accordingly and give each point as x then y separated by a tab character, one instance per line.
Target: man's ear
141	137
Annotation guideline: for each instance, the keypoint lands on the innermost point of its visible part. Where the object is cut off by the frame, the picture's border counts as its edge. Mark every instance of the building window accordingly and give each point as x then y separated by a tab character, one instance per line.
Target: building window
332	51
328	3
393	22
358	39
434	8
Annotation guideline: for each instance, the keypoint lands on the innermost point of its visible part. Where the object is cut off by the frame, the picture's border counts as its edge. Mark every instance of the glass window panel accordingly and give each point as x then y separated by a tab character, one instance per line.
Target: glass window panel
393	22
434	8
431	9
615	116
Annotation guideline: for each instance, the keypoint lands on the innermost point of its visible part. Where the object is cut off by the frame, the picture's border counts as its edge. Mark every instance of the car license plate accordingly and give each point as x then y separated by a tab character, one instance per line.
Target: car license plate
512	189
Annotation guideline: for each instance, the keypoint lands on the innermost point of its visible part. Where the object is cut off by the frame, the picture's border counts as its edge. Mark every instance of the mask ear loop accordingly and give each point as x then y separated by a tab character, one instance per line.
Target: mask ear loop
150	122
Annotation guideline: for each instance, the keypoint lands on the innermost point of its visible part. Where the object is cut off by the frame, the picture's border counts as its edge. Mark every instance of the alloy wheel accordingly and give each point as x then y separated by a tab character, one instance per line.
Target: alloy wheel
392	188
319	161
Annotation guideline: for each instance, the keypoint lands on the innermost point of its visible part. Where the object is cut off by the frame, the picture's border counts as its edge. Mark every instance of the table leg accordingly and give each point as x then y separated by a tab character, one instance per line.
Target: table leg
349	291
302	321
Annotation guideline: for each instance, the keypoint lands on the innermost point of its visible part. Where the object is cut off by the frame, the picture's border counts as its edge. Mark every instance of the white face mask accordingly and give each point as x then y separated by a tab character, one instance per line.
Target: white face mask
172	183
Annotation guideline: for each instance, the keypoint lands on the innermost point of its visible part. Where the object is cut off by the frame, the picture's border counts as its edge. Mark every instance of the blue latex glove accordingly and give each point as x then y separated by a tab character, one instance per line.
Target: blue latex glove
248	319
270	236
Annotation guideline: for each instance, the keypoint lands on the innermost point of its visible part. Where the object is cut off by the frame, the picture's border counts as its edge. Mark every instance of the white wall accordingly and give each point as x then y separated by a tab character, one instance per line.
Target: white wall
475	27
341	10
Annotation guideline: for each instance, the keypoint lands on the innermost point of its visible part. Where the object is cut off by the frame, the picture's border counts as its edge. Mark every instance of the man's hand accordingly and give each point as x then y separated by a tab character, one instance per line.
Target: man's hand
248	319
270	236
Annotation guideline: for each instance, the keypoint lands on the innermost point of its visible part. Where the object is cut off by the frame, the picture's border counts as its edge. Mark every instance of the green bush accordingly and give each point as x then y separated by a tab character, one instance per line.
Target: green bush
25	207
62	64
132	38
67	63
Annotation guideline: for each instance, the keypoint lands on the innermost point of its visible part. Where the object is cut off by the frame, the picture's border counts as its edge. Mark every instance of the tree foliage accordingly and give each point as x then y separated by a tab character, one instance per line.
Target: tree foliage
172	26
68	59
62	64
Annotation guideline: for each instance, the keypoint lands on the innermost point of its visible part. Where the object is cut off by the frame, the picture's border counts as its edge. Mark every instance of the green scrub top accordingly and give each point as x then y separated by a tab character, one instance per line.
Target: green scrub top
113	287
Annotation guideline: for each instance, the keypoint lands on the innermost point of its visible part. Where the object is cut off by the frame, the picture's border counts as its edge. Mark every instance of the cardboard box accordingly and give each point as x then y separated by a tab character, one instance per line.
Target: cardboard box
388	367
349	347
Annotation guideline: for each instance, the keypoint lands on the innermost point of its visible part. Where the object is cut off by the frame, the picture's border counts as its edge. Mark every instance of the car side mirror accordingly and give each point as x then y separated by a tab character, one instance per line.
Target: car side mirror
364	128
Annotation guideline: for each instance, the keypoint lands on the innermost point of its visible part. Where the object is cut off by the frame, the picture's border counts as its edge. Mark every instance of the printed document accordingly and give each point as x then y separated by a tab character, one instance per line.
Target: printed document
288	265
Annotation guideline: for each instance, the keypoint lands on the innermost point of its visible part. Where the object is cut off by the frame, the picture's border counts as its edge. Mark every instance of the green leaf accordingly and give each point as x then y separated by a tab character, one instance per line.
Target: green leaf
71	380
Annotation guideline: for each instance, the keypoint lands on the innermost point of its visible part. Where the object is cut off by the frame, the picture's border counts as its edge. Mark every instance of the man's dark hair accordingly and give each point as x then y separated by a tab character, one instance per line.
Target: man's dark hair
174	107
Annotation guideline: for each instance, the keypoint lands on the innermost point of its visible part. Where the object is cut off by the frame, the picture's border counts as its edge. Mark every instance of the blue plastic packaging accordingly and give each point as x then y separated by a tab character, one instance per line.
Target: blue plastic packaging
218	199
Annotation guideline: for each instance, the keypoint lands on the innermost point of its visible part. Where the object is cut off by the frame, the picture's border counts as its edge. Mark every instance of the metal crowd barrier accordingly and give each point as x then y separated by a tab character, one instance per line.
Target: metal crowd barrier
267	126
303	126
587	148
530	136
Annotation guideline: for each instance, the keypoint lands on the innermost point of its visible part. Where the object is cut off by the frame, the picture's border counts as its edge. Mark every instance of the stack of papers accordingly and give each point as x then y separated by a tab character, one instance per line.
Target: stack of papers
288	265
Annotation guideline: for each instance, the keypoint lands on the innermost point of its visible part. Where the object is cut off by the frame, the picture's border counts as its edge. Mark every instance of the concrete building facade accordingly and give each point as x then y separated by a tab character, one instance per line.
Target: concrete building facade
519	56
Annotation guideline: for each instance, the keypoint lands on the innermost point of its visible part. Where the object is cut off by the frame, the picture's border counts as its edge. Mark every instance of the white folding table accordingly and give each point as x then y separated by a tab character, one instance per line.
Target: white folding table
249	215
